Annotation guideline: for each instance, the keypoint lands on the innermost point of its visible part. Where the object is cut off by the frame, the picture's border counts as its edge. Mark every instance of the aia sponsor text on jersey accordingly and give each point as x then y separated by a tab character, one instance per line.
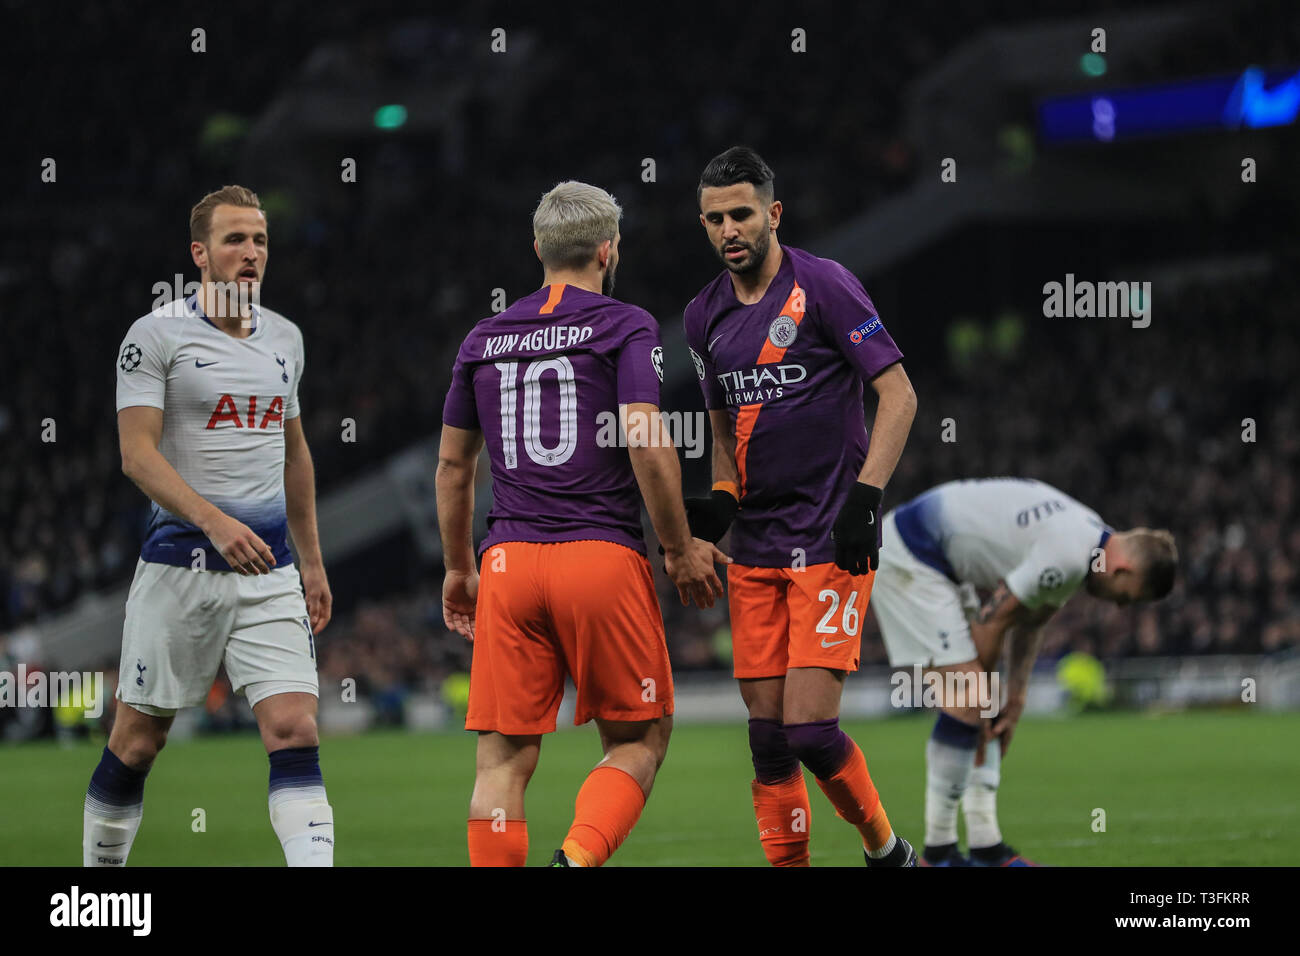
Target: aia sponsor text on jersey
229	409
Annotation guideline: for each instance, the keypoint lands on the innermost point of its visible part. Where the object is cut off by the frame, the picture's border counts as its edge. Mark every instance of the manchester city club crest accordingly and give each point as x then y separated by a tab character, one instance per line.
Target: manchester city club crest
782	331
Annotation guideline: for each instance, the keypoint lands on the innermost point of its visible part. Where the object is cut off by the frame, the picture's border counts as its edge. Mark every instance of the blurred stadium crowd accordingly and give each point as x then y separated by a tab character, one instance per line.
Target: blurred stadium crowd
385	279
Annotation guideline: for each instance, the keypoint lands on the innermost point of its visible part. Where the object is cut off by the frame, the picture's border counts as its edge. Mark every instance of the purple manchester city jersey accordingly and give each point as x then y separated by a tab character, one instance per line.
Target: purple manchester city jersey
790	371
543	381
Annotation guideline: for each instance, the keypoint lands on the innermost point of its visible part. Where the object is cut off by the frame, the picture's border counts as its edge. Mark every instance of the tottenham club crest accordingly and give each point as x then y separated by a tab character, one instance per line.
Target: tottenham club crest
782	332
657	360
129	360
1050	579
699	364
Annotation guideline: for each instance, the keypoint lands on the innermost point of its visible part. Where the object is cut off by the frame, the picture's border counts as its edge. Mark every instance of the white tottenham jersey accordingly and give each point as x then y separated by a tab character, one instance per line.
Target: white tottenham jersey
224	401
1025	532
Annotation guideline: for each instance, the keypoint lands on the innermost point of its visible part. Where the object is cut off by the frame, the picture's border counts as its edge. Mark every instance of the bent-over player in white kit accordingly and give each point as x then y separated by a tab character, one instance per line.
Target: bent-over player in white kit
1031	546
207	405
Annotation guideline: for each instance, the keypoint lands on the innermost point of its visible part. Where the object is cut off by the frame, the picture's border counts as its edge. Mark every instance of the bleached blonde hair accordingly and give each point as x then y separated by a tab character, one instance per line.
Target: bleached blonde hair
571	222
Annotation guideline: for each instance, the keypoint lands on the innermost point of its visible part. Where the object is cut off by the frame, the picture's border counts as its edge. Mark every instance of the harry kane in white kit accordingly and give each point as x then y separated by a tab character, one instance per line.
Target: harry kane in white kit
207	401
1030	547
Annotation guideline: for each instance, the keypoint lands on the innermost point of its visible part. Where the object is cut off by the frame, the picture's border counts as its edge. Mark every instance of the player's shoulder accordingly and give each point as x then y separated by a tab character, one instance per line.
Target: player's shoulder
613	322
165	316
280	325
1062	498
819	276
701	308
162	327
471	343
278	320
1073	521
624	314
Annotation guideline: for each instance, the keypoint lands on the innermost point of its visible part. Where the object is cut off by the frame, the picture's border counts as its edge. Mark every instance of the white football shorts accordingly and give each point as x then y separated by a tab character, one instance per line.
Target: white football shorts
182	624
921	613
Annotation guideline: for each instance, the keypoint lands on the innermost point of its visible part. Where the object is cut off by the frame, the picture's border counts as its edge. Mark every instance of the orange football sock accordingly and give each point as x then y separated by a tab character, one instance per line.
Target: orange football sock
783	816
855	799
498	843
608	806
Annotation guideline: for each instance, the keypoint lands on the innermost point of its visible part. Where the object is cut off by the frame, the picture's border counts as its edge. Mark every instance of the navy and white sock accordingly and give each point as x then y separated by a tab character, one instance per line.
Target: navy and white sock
113	810
300	814
949	760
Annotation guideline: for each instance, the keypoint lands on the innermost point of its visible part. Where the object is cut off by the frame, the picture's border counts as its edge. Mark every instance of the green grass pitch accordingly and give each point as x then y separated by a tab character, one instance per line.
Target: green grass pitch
1191	789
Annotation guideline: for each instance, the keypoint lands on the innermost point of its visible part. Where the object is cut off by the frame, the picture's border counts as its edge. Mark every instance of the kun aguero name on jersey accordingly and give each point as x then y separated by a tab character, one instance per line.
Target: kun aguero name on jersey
553	338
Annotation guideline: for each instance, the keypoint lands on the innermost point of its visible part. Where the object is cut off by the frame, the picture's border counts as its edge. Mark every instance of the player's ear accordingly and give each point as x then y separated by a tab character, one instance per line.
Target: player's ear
537	251
199	253
774	214
603	253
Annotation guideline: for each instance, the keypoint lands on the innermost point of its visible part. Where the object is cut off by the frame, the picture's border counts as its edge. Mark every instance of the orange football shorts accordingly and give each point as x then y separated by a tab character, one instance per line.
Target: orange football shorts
586	609
788	617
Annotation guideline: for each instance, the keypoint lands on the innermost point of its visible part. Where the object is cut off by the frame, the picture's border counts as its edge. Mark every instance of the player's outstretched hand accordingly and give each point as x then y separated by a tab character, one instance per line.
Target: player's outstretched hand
857	547
459	598
693	572
316	589
244	551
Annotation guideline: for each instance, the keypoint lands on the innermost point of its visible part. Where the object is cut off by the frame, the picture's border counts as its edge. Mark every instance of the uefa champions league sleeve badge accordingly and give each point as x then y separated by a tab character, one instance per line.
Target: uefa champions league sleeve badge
698	363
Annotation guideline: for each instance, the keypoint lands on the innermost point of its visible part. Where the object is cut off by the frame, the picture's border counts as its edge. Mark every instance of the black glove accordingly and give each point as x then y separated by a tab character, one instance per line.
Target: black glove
856	531
709	518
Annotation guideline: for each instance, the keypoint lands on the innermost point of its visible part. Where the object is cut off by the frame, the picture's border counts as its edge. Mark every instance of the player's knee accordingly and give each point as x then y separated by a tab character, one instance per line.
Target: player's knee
963	691
291	730
139	750
820	746
770	751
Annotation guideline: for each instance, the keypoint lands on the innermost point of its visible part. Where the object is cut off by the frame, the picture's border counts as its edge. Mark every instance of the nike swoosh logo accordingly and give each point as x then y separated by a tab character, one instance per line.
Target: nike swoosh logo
198	364
109	846
322	824
833	643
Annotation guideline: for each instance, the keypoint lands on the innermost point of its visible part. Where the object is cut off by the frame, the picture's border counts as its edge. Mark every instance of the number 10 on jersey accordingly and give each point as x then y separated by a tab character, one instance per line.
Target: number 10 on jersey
567	442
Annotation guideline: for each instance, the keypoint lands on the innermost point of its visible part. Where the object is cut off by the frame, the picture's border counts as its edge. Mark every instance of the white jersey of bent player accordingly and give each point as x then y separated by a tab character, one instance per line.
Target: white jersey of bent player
224	400
1025	532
